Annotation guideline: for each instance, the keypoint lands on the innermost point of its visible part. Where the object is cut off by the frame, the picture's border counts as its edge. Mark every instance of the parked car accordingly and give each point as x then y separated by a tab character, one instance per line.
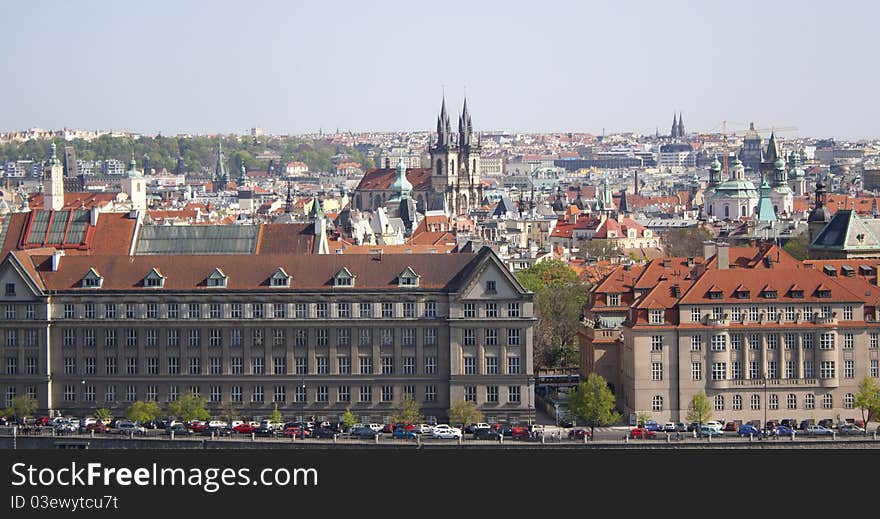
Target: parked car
179	430
365	432
325	432
97	427
579	434
566	422
446	432
487	434
518	432
791	423
216	431
130	428
771	424
730	426
403	433
818	430
244	428
718	426
642	432
748	429
849	429
709	431
265	432
782	430
806	423
827	423
681	427
653	426
669	427
693	426
376	427
66	427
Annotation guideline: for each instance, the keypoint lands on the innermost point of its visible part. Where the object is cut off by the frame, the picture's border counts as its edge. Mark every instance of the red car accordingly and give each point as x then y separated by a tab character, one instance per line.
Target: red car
244	428
98	427
579	434
296	431
519	432
641	432
196	426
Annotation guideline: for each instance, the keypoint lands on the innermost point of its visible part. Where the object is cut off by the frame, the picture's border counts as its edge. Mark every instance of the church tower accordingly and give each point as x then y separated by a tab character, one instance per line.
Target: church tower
221	178
135	186
56	182
455	163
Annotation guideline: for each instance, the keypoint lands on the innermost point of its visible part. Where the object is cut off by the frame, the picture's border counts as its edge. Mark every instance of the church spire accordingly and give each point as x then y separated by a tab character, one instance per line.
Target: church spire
680	126
772	154
220	176
674	132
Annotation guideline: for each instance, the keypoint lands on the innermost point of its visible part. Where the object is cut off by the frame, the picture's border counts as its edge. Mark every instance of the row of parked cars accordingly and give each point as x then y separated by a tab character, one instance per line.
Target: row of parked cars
712	428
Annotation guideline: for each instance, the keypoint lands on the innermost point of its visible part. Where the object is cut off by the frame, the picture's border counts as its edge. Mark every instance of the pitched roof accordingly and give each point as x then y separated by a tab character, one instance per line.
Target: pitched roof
382	178
285	238
759	280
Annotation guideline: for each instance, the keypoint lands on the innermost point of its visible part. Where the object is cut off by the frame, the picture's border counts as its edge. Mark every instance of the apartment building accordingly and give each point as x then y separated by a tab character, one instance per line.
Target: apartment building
314	334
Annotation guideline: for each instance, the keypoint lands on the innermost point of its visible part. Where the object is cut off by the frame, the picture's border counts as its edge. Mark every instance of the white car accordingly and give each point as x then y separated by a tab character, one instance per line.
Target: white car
669	427
424	429
233	424
217	424
128	428
714	425
376	427
446	432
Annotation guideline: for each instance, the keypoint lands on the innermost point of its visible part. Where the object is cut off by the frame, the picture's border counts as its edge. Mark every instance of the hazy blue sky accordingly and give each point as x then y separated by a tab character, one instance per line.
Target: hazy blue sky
181	66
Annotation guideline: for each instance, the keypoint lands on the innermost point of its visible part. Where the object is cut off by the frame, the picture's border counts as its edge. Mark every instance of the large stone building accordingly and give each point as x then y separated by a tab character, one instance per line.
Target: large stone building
761	333
314	334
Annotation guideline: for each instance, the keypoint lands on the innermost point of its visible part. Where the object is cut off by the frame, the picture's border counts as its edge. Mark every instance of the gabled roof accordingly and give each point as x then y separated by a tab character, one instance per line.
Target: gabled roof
382	178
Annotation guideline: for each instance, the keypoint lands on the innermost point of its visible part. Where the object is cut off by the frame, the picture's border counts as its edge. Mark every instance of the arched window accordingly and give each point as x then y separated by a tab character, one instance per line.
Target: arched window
439	166
727	211
743	211
756	402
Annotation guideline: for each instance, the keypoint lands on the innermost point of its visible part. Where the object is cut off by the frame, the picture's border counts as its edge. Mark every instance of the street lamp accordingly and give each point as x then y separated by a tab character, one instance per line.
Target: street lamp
765	404
303	419
531	390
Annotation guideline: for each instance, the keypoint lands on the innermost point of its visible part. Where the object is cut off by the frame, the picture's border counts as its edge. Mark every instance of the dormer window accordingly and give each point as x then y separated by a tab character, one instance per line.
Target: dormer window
154	279
796	294
408	278
742	292
769	293
823	293
715	293
217	279
92	279
280	278
613	299
343	278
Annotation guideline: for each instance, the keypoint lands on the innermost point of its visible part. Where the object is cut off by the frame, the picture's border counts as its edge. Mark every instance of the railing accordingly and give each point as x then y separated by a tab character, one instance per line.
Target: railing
773	382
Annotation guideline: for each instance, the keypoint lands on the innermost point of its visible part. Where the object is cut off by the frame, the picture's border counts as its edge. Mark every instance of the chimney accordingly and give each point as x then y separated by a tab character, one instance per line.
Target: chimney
708	249
93	216
676	290
690	262
667	263
723	256
56	260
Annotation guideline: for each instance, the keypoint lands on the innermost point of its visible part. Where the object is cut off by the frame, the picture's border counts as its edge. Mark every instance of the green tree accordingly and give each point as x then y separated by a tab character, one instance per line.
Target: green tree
103	415
276	414
348	419
601	249
868	400
142	412
22	407
699	409
228	412
559	299
464	413
798	246
188	408
409	413
685	242
642	419
592	403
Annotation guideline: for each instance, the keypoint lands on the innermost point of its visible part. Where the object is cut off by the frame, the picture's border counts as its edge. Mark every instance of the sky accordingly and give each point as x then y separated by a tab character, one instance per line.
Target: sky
579	66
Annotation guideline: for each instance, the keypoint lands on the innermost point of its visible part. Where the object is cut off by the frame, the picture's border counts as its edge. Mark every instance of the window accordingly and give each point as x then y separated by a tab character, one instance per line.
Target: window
790	313
151	337
736	341
366	394
195	338
717	313
195	366
696	371
789	341
130	311
131	367
10	312
513	365
656	343
513	394
216	366
194	311
491	393
408	337
366	310
110	311
657	403
386	336
490	287
215	395
235	394
736	313
470	393
491	310
344	363
430	393
873	340
30	312
409	365
216	338
301	394
469	364
173	311
754	370
754	341
772	369
11	338
790	369
69	337
31	366
849	369
235	311
656	371
697	343
737	402
257	365
614	300
827	401
875	368
322	337
257	395
513	310
469	337
719	370
808	369
513	337
756	402
10	289
365	337
655	316
130	393
322	365
719	343
214	311
69	365
491	365
409	309
366	364
430	365
772	341
343	310
321	394
430	309
825	311
849	401
279	311
772	314
343	337
754	314
809	401
826	341
322	310
848	341
826	369
469	310
736	370
791	401
69	311
258	310
256	336
236	365
807	341
773	402
344	394
430	336
301	365
387	393
718	404
69	393
388	310
491	336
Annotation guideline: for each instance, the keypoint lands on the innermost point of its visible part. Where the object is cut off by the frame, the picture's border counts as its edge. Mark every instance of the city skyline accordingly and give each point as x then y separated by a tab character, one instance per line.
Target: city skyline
223	68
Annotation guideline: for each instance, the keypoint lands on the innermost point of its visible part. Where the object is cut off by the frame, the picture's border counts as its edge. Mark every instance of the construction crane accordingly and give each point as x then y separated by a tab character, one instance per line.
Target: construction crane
752	128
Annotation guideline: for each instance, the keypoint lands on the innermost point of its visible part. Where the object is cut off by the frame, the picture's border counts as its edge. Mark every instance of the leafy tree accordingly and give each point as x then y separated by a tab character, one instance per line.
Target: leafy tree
601	248
276	414
228	412
348	419
464	413
409	413
642	419
868	400
103	414
699	409
592	403
798	247
685	242
559	299
188	408
22	407
142	412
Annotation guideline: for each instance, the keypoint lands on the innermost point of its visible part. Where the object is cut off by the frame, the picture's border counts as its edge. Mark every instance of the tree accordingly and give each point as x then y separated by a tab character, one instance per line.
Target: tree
642	419
868	400
142	412
685	242
409	412
798	247
103	415
276	414
592	403
348	419
601	248
559	299
188	408
700	409
228	412
22	407
464	413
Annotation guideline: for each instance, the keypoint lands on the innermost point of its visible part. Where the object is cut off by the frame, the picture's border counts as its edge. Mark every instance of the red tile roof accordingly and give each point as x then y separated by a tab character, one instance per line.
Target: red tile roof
75	200
382	178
